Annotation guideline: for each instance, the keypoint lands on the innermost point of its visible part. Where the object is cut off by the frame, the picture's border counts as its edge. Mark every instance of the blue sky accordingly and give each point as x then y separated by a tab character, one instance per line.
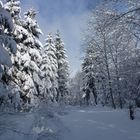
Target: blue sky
69	16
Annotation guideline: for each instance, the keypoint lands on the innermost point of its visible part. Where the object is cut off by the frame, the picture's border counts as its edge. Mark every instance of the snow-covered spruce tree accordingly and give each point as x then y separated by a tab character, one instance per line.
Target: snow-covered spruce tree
63	68
31	58
49	68
6	27
25	72
7	47
17	73
13	6
88	69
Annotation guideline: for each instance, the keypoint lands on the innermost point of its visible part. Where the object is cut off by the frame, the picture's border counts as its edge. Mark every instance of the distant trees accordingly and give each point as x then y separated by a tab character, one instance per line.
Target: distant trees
75	89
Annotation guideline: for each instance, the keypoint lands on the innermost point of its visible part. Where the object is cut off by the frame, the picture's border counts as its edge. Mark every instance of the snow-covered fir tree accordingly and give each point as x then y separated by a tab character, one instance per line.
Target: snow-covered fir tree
63	68
17	74
49	68
13	6
31	58
9	96
25	72
88	69
6	27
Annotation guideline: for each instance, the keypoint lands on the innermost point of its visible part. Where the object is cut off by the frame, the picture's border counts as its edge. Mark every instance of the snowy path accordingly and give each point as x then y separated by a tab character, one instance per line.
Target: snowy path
100	124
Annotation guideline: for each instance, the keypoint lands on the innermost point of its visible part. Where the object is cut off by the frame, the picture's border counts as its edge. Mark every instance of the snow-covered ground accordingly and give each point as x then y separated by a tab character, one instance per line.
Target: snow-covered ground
40	124
101	124
71	123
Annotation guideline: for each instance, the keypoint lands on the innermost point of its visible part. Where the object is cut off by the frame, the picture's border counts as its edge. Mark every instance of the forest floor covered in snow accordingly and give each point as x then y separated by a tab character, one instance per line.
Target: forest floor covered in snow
71	123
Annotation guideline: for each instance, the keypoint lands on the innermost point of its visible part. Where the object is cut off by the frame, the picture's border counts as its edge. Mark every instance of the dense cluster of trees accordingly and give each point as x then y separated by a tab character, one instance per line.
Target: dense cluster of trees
29	71
111	65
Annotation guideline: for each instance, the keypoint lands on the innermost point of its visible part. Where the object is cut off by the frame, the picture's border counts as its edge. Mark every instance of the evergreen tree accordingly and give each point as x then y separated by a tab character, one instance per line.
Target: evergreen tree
6	42
26	72
49	68
18	73
13	6
88	69
9	96
32	57
63	68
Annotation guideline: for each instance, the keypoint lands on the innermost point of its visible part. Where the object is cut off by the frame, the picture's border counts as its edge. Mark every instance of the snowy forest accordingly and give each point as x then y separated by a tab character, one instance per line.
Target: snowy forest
39	97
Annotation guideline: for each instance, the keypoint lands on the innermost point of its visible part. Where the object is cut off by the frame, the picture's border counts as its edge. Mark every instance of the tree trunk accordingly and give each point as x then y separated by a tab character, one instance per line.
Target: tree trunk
108	73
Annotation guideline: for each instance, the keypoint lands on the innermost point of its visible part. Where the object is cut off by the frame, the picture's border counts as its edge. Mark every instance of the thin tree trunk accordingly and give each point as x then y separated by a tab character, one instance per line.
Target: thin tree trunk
108	73
119	92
